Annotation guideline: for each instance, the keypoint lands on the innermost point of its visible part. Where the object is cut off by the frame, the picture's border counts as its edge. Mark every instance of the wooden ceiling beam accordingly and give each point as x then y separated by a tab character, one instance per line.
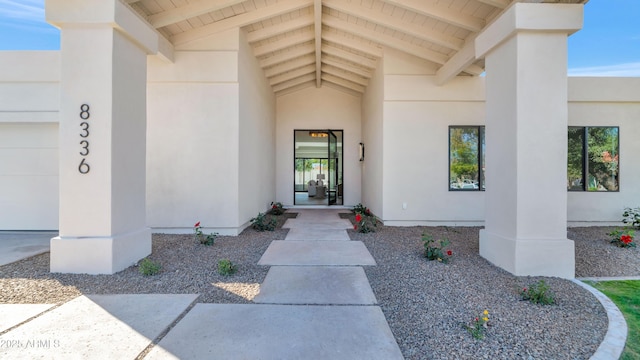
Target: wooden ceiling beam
317	13
500	4
349	56
283	43
290	65
294	82
328	69
347	67
287	55
356	44
441	13
281	28
342	82
292	74
395	23
279	8
195	8
386	40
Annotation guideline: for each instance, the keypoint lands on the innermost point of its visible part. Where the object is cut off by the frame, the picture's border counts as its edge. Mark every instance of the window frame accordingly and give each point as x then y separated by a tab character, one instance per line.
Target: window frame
481	135
585	158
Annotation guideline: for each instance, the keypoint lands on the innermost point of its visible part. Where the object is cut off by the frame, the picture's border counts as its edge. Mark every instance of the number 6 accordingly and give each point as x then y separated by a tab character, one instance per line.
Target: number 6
83	168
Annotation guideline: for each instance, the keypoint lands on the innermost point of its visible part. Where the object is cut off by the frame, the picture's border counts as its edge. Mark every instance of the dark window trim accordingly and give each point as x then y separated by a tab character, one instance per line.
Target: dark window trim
585	159
481	134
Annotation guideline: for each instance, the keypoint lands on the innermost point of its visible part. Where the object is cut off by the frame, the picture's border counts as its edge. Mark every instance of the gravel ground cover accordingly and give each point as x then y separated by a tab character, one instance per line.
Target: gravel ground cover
426	303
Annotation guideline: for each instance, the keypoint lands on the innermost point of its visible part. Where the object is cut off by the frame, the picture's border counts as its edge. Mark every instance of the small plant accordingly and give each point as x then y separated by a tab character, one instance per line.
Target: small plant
479	325
361	209
201	238
631	217
623	238
436	252
277	208
260	223
226	267
538	294
365	223
148	267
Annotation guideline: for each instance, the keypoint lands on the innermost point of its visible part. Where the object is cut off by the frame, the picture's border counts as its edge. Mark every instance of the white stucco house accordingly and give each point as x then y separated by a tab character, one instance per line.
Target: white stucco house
156	114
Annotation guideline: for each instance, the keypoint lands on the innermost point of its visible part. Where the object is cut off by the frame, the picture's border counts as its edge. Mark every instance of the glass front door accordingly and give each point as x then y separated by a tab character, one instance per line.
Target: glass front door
318	167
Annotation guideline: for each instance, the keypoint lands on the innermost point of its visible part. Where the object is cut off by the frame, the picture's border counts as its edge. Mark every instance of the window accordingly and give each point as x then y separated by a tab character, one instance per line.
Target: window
593	161
466	158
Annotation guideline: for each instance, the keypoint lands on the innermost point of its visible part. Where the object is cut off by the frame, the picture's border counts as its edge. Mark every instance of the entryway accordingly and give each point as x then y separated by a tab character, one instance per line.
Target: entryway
318	167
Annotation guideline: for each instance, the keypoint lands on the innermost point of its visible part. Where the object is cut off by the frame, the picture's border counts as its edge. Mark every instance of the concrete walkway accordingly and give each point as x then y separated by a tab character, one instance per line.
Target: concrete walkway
18	245
315	303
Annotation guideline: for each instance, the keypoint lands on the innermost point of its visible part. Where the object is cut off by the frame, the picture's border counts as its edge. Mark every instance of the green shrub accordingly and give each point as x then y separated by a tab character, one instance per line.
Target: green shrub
538	294
260	223
201	238
436	252
479	325
365	223
631	217
226	267
148	267
359	209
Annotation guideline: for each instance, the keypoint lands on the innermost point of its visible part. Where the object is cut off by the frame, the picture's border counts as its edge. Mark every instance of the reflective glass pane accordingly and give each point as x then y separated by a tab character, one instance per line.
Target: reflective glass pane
603	159
575	159
463	158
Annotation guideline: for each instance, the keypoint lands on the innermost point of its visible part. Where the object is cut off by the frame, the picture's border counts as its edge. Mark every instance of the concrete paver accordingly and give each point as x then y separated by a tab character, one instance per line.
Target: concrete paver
95	326
316	285
232	331
336	253
13	314
317	234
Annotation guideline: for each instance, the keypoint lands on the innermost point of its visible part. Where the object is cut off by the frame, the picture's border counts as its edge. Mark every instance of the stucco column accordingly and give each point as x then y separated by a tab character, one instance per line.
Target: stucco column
102	136
526	139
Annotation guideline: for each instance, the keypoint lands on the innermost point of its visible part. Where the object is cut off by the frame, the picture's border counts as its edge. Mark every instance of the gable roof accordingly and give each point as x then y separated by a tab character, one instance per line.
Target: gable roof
302	43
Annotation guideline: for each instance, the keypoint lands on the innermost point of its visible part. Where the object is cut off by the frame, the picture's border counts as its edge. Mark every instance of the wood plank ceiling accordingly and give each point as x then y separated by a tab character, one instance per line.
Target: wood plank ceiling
301	43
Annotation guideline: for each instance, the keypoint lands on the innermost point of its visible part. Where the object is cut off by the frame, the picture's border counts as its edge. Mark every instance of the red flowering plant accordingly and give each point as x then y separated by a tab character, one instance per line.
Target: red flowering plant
436	251
202	238
623	238
365	221
277	208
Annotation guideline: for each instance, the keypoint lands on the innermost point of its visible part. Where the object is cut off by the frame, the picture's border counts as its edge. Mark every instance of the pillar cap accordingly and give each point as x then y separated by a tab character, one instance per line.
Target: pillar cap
565	18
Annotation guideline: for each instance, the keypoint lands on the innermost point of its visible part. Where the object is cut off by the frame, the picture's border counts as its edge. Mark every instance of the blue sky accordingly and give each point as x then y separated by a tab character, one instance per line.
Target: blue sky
608	44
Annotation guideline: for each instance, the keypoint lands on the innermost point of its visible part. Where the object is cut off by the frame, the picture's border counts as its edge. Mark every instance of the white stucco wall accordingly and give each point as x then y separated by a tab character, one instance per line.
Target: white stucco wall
257	136
416	119
192	141
607	102
318	108
29	104
372	137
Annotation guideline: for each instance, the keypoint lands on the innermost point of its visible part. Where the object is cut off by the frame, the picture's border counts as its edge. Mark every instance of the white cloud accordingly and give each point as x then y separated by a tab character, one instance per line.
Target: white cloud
23	10
619	70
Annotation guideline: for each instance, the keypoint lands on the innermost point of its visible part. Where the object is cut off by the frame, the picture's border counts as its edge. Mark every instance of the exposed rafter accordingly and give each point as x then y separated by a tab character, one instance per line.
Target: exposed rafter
309	69
283	43
279	8
317	13
441	13
288	55
295	88
346	75
290	65
294	82
395	23
281	28
347	67
386	40
349	56
359	45
342	82
500	4
193	9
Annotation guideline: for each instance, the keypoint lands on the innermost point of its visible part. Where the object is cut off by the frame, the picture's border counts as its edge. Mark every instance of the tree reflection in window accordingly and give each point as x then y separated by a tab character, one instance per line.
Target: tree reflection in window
593	161
466	157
